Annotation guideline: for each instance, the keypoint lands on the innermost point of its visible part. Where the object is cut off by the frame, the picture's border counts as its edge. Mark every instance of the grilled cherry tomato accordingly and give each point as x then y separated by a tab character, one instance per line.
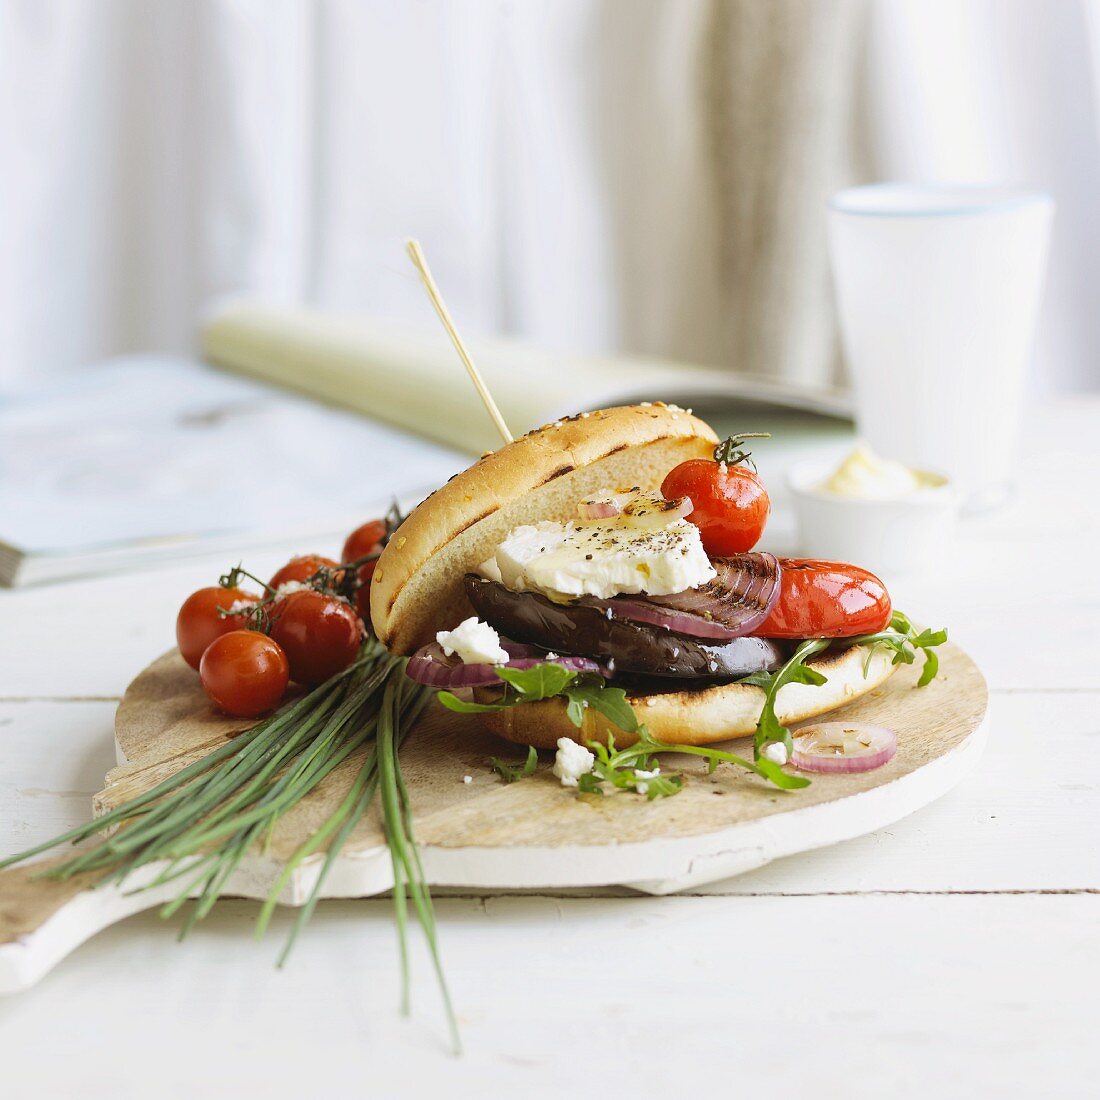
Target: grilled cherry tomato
826	599
245	673
199	623
301	568
731	503
364	540
320	634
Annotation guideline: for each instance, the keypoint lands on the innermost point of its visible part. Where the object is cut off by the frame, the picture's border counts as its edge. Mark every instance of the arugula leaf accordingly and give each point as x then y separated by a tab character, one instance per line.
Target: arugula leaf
904	641
540	682
510	773
581	690
769	729
619	767
528	685
461	706
591	690
622	770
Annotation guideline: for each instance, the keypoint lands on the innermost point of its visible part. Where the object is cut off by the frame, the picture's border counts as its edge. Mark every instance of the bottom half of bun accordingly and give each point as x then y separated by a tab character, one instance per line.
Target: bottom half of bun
703	715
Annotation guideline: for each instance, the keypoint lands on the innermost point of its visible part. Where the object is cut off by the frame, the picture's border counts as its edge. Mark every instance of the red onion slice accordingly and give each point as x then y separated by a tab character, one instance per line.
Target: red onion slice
643	510
598	509
431	666
731	606
676	622
842	747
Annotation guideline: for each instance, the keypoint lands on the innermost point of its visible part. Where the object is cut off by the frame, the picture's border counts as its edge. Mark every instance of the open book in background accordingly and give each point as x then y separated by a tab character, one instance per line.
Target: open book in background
149	459
414	380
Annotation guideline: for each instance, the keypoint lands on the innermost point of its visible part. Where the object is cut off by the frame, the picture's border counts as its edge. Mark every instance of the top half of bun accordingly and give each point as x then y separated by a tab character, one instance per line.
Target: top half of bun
418	587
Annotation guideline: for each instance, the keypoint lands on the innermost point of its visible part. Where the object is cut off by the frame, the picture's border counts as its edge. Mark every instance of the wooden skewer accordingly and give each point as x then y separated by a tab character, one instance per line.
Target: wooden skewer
416	254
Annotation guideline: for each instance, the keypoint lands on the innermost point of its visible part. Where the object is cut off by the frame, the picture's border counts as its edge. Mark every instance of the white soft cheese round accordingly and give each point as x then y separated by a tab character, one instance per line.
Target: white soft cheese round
602	558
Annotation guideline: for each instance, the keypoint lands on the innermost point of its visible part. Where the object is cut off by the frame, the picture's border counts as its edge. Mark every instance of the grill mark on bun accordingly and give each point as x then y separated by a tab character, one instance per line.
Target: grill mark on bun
561	471
469	523
647	443
399	588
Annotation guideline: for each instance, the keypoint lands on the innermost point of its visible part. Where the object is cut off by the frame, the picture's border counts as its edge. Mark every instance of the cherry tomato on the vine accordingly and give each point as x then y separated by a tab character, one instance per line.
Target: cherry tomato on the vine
364	540
301	568
362	594
199	623
826	599
320	634
244	673
731	505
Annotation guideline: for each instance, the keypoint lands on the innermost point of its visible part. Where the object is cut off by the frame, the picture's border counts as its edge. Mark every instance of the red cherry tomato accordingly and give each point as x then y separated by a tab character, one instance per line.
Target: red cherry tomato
362	593
826	599
199	623
320	634
364	540
301	568
244	673
731	503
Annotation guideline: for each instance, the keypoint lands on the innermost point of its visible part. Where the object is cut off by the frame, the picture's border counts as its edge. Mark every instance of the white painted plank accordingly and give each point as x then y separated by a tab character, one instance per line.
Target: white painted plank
53	757
1028	819
854	997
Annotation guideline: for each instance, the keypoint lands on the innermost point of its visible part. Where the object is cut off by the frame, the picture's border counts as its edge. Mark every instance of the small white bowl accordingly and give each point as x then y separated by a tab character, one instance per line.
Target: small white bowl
885	536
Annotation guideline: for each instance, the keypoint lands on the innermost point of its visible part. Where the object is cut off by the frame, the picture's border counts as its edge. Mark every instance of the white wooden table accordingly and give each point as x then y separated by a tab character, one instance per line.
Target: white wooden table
956	953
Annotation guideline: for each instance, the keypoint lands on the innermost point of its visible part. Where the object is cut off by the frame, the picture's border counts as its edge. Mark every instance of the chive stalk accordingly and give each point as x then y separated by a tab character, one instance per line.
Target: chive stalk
202	821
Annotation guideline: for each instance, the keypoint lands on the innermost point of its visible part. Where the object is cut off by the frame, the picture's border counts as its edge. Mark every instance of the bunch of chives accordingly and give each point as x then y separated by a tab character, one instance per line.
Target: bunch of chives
205	818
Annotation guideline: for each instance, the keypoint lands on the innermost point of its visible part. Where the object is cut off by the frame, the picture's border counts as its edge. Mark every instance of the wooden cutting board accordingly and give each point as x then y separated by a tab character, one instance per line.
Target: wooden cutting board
489	835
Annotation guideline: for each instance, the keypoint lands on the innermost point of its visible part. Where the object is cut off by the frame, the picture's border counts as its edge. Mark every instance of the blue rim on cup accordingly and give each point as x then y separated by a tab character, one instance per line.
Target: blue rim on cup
933	200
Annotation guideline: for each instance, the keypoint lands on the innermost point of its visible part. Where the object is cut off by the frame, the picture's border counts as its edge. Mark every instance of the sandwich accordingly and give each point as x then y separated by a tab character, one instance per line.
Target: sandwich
610	558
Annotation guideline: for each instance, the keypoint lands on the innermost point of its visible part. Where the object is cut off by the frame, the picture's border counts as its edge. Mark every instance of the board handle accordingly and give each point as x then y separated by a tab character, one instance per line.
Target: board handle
42	919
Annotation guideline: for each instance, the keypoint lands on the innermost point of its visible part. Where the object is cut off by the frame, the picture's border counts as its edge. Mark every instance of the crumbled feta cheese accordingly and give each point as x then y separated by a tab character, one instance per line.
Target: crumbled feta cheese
637	551
467	779
572	761
490	570
776	752
475	642
643	775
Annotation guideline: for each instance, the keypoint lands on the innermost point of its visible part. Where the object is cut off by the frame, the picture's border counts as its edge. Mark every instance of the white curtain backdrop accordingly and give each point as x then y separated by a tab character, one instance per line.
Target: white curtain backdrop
568	164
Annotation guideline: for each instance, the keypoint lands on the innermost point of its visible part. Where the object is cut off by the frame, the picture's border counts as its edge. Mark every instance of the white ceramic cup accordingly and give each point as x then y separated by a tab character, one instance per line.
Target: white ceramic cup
938	289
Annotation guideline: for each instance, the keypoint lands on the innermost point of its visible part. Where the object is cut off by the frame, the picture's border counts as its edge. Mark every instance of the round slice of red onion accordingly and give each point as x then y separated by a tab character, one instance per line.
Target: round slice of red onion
677	622
842	747
732	605
431	666
597	509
